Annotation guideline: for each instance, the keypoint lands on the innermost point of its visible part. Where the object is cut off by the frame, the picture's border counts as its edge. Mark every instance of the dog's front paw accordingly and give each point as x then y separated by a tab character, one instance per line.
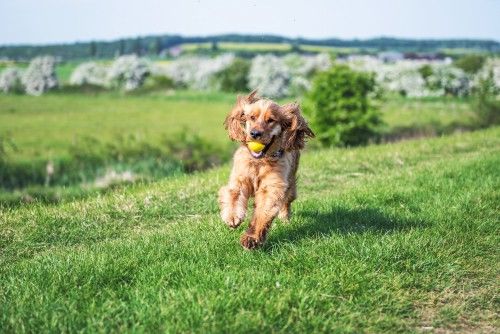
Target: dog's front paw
250	242
231	218
233	221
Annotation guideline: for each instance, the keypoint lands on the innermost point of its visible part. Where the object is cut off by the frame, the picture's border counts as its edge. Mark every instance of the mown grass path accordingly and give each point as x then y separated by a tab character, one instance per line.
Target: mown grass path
391	238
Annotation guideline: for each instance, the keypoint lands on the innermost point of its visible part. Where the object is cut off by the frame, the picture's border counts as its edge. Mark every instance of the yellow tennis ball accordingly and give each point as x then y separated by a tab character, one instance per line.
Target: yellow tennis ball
255	146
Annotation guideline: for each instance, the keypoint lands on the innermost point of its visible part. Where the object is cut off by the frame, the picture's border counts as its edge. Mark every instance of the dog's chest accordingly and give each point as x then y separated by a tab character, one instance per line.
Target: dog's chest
277	170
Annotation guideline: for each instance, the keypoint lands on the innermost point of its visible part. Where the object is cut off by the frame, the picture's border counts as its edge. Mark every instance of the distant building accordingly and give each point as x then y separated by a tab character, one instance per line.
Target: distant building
175	51
390	56
424	56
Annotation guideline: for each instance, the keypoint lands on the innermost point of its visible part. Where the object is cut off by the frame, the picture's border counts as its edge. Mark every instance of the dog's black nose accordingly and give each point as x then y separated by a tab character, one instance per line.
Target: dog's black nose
255	134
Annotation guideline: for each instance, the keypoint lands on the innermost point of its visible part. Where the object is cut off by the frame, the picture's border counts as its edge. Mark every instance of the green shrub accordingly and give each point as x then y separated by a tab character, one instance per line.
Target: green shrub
470	64
156	83
89	89
339	107
485	103
425	71
234	77
89	158
193	152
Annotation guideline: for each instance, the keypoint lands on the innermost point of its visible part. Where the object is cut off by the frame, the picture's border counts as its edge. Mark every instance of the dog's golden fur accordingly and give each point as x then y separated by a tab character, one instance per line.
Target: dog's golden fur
270	177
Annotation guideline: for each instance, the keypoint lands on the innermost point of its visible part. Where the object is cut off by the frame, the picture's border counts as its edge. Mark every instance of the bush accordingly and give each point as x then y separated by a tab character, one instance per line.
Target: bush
155	83
193	152
339	107
269	75
486	105
425	71
40	76
87	89
128	72
10	81
90	73
449	80
234	77
470	64
489	75
196	72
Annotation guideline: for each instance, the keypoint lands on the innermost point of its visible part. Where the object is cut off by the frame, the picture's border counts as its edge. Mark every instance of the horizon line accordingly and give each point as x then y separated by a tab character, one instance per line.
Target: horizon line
107	40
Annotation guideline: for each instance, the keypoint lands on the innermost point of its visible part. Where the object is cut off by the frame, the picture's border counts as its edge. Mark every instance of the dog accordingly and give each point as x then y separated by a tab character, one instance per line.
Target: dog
269	175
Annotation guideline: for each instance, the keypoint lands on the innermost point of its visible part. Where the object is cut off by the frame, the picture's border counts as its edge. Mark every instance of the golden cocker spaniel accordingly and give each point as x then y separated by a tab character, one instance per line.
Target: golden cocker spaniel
268	173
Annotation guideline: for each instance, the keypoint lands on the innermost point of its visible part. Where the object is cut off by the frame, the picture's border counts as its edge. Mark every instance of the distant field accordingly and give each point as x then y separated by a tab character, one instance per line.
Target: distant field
64	71
267	47
427	113
320	48
45	126
239	46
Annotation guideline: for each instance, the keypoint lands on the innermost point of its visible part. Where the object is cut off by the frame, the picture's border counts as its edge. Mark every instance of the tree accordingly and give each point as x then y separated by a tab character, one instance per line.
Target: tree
234	77
470	64
40	76
138	46
93	49
214	46
158	46
339	107
121	50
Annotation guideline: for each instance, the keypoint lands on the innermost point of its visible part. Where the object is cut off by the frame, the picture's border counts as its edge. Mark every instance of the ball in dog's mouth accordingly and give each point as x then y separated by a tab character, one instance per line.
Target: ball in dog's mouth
256	148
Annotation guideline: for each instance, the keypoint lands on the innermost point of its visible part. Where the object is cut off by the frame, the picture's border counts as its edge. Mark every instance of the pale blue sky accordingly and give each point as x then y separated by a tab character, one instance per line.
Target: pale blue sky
47	21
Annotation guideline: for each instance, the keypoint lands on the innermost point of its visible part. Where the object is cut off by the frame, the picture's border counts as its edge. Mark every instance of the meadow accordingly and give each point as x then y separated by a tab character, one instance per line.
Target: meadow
109	219
400	237
60	119
155	135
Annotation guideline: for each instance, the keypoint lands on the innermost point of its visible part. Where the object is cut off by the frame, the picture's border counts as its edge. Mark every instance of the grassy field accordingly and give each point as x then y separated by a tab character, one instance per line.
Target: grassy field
266	47
226	46
151	136
391	238
45	127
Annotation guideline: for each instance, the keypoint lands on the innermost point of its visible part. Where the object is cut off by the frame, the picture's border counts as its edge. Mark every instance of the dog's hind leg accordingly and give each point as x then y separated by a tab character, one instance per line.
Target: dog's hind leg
286	210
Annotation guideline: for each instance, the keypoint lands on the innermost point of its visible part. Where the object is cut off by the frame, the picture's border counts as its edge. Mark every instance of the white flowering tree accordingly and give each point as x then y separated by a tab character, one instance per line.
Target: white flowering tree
10	80
405	77
40	76
269	75
89	73
491	73
128	72
306	66
449	80
198	72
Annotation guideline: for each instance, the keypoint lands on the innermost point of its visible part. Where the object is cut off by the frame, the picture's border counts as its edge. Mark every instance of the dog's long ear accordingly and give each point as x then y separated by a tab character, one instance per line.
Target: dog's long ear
235	120
295	127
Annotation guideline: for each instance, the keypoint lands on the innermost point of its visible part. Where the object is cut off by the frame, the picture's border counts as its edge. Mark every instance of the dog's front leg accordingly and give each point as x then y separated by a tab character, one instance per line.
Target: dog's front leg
233	202
268	201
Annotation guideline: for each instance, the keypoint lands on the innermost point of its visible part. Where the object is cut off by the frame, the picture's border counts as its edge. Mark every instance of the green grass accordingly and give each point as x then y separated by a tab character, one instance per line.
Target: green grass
45	127
63	71
333	49
266	47
85	135
407	117
390	238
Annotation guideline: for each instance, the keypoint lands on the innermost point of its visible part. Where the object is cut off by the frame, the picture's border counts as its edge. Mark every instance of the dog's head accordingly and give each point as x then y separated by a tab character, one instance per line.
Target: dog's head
262	120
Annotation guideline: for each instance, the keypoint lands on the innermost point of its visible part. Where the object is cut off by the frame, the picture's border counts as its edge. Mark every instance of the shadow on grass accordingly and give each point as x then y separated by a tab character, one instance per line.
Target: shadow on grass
337	220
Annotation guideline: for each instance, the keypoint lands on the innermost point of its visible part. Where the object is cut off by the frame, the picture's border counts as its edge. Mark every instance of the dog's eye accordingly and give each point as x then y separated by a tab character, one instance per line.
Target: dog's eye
270	120
252	118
